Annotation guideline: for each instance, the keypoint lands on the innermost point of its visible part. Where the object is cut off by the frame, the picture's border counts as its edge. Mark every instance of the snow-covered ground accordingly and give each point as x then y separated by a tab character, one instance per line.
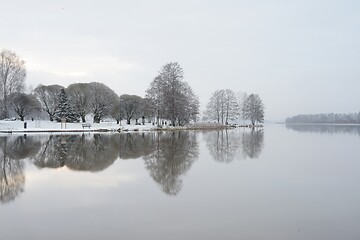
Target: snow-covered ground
45	125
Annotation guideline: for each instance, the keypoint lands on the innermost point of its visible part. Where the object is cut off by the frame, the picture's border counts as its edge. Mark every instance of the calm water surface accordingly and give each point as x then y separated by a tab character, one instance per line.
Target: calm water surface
284	182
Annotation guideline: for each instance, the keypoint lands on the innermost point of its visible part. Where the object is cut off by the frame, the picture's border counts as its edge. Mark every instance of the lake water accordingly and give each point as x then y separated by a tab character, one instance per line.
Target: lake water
284	182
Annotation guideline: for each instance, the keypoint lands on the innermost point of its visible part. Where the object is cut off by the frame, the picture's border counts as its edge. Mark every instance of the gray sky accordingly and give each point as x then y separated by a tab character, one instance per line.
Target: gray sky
299	56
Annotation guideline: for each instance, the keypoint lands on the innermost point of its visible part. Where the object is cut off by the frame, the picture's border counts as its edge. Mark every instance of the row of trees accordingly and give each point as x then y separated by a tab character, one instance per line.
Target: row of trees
76	101
168	98
225	107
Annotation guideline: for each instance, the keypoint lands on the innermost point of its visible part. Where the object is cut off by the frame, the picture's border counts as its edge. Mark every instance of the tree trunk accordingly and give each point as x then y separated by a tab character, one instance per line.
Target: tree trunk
5	106
21	118
83	119
128	121
96	119
51	119
117	121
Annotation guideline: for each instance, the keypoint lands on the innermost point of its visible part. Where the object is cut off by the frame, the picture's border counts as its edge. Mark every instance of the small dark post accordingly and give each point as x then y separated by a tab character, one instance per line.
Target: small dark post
25	125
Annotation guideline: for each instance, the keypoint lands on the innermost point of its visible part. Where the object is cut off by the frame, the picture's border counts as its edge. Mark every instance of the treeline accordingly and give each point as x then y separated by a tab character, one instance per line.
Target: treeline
325	128
168	99
327	118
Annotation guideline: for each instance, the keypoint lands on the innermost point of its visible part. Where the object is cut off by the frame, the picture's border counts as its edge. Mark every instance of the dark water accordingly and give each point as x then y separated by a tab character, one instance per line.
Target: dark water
284	182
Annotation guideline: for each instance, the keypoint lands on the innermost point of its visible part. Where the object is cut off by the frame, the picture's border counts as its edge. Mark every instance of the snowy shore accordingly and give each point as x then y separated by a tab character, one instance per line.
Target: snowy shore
43	126
47	126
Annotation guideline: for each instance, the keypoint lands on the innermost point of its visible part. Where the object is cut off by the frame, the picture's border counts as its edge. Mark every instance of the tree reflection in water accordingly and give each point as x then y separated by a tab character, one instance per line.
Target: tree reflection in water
78	152
12	152
167	156
223	145
252	143
135	145
173	156
226	145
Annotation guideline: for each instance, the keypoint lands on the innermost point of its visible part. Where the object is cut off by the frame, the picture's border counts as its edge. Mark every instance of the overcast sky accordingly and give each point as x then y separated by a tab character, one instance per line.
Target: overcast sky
299	56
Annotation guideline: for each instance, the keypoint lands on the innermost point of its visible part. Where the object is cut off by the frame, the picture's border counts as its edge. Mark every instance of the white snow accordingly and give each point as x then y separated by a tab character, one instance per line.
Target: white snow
45	125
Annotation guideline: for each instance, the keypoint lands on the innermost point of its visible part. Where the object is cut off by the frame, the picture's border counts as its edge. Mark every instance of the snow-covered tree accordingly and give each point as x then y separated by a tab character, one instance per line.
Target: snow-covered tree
214	108
171	95
253	109
12	77
191	103
64	109
240	99
154	99
222	107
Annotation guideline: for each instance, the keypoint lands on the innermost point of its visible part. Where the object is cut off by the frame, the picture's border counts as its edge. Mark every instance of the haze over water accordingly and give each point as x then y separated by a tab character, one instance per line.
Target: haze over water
283	182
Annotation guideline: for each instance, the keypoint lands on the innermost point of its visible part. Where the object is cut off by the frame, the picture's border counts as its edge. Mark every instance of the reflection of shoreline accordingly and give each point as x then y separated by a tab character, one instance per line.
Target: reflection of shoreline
167	156
325	128
226	145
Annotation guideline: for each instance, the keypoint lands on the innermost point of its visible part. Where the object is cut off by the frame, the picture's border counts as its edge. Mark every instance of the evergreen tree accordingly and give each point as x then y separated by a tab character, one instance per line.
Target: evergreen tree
64	109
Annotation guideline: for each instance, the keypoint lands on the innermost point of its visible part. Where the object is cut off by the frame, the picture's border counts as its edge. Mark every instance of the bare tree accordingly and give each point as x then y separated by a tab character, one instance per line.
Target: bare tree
79	99
214	108
240	98
48	97
171	95
24	104
231	109
222	107
12	76
149	109
131	106
253	109
154	99
116	112
102	100
190	105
